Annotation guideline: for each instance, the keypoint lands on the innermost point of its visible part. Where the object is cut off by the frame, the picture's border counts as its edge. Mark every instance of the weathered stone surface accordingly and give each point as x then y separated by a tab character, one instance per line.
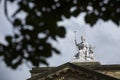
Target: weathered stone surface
86	63
73	71
115	74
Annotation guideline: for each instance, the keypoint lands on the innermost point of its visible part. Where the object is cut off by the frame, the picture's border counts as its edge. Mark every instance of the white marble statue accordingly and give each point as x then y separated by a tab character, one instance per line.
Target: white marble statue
85	51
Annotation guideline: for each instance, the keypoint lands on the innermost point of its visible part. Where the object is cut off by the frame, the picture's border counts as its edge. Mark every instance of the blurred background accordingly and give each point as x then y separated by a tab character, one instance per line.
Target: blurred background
40	32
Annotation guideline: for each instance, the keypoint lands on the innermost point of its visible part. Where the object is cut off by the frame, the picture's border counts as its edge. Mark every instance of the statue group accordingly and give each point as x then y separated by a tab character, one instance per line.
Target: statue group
85	51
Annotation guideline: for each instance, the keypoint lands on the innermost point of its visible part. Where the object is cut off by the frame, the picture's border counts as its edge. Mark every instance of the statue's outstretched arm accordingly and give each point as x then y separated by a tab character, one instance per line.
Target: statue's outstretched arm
75	39
76	43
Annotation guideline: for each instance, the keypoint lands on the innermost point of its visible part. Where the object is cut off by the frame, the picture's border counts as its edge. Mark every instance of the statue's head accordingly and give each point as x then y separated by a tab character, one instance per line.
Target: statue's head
83	39
90	47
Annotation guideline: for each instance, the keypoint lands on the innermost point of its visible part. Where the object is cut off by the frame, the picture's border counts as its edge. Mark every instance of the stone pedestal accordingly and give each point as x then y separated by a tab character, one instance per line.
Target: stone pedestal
86	63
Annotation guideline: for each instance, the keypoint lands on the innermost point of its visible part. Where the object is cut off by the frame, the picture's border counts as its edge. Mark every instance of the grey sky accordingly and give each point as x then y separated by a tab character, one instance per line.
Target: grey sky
104	36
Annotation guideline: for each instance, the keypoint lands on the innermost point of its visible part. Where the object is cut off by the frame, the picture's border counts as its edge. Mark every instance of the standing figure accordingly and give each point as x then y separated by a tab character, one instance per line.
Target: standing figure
83	49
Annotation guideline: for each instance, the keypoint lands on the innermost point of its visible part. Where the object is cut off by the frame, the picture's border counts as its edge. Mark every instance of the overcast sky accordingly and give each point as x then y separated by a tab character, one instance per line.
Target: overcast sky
105	36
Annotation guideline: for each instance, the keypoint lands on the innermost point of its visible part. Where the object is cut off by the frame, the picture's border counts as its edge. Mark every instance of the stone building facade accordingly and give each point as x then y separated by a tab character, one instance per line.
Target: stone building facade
77	71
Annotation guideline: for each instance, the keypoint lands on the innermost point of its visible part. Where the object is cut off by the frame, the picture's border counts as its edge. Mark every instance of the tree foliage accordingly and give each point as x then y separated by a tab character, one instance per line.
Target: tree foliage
41	19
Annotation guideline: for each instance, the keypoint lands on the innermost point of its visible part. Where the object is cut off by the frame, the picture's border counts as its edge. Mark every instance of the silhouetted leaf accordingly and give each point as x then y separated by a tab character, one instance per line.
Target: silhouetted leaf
56	51
44	62
16	35
91	18
61	31
9	38
17	22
